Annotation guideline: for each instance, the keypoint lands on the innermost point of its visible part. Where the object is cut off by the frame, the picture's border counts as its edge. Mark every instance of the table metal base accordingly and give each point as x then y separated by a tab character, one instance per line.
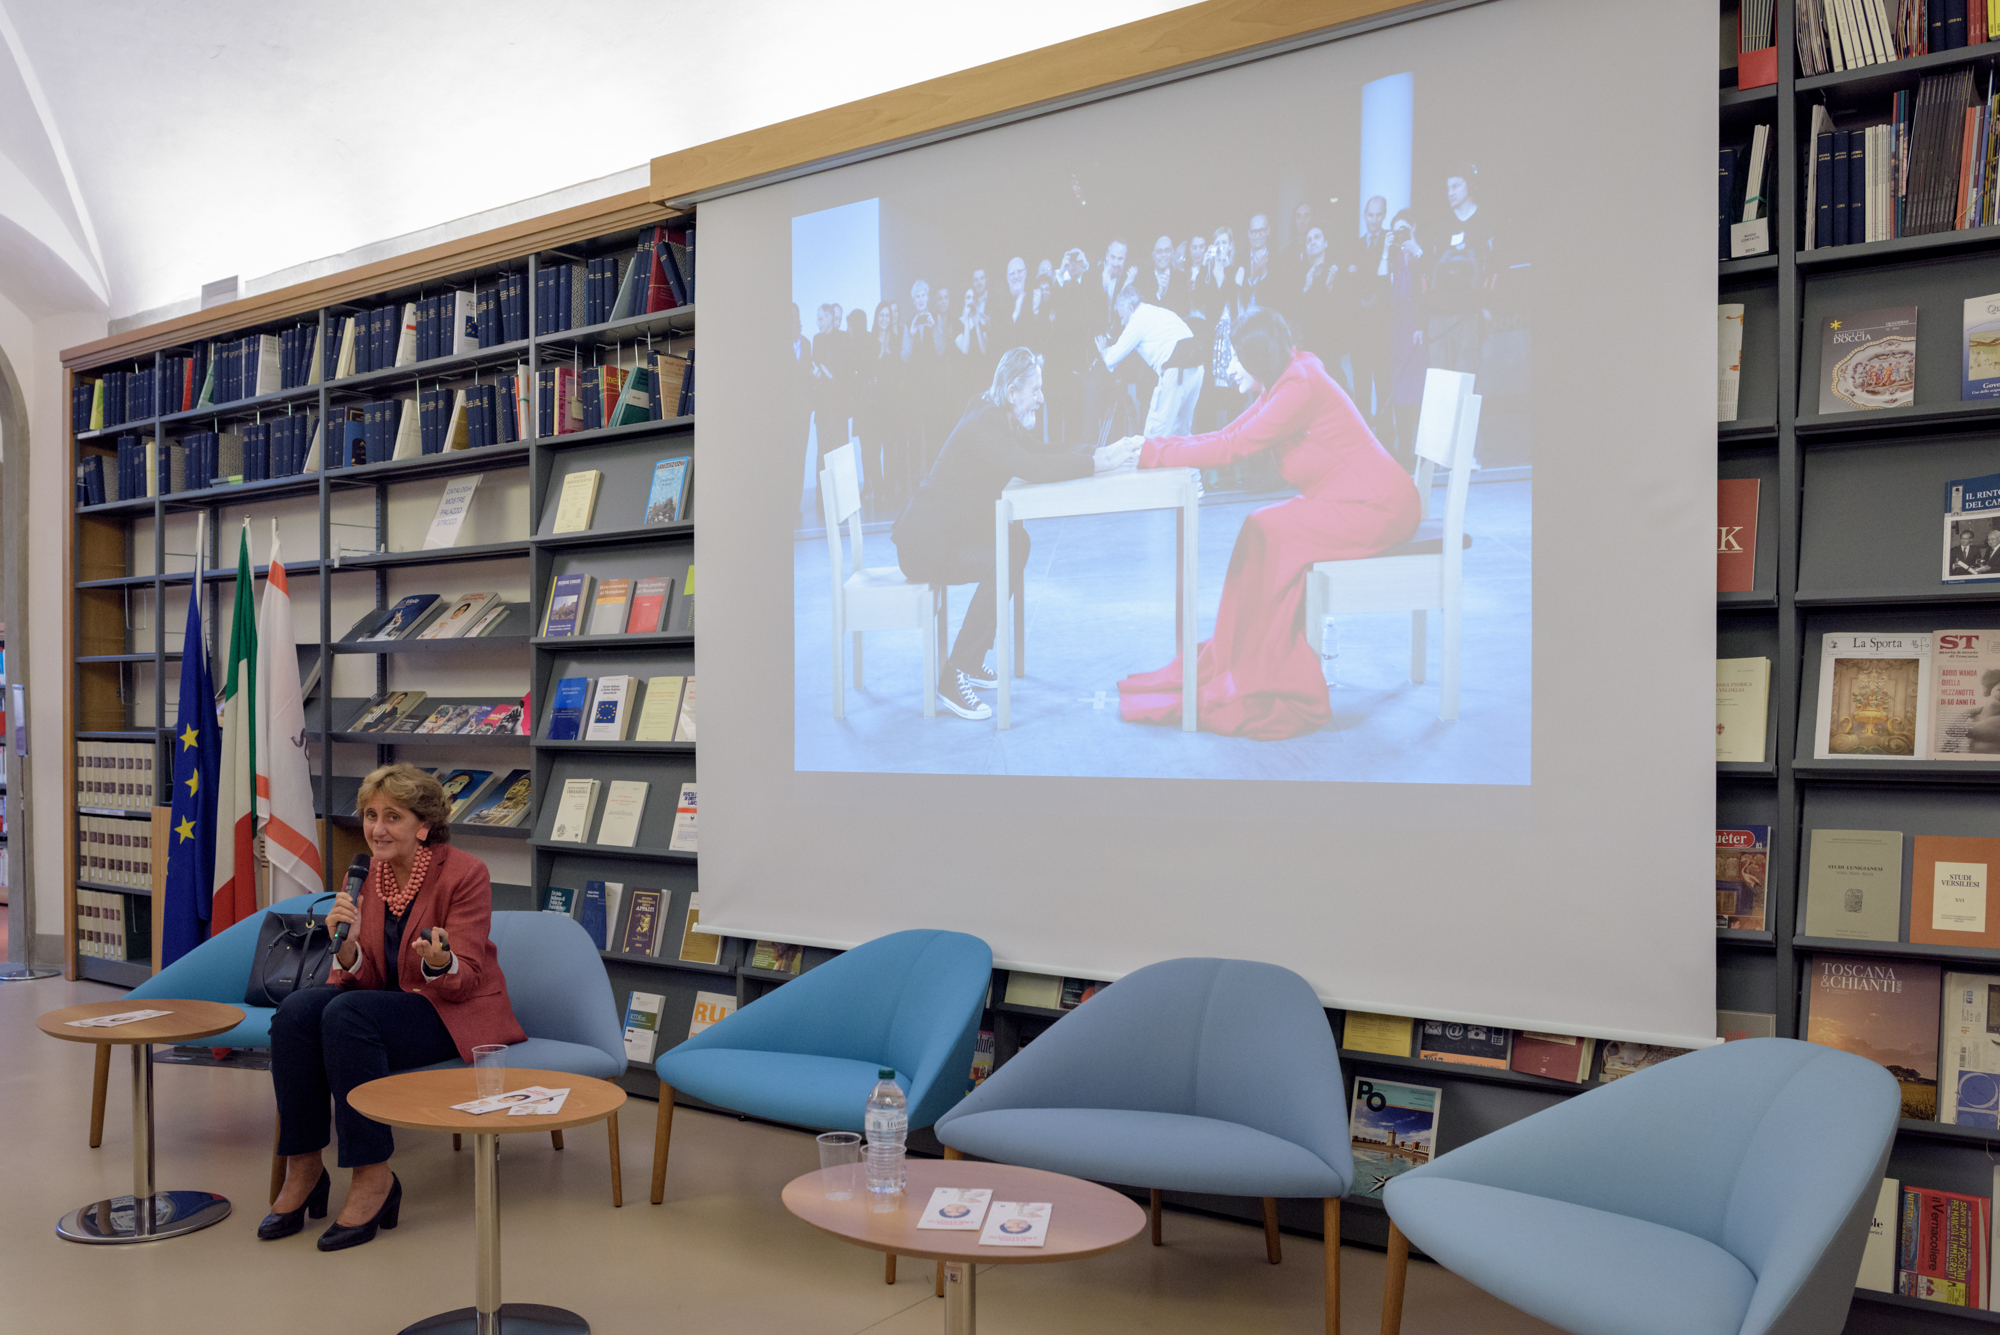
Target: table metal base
514	1319
23	973
172	1214
961	1312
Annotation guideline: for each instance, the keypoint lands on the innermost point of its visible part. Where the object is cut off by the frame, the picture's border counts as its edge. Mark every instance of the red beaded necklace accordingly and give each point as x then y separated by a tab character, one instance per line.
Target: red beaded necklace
399	900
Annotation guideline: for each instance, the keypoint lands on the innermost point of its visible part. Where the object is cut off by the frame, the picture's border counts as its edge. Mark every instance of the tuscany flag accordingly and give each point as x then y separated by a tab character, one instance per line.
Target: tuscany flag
284	779
235	796
191	841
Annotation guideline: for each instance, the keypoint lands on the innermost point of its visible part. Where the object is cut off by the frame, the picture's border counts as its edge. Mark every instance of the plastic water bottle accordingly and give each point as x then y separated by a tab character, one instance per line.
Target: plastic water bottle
887	1123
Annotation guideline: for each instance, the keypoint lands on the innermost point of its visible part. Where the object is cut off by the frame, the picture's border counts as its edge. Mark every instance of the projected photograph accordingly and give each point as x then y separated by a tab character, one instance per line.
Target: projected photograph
1258	382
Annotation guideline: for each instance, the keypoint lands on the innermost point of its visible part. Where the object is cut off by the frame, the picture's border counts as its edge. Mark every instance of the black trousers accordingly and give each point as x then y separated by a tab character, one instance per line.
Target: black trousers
962	562
326	1041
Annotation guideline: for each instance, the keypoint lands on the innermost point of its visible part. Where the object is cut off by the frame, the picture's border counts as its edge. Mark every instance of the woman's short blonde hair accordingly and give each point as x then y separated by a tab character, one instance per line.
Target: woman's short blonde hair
416	791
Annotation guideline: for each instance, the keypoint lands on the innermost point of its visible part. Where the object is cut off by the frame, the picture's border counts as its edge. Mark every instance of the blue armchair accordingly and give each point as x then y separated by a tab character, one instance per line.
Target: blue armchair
808	1053
1206	1075
562	997
216	970
1726	1192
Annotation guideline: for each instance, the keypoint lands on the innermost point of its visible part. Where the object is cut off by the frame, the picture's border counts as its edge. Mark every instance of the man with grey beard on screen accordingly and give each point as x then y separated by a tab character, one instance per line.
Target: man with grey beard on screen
946	534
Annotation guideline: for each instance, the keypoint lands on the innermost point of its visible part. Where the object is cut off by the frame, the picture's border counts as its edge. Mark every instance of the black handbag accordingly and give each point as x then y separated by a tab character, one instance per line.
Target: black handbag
294	951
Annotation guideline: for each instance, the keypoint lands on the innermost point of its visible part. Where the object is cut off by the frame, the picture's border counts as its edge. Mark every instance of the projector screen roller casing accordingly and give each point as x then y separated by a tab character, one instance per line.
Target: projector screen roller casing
1560	883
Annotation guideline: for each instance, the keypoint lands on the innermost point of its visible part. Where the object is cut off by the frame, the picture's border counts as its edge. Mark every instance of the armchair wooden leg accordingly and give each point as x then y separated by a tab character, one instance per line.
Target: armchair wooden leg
940	1279
889	1268
455	1143
951	1153
277	1161
1393	1276
663	1130
1153	1213
555	1138
617	1169
1271	1248
98	1081
1331	1217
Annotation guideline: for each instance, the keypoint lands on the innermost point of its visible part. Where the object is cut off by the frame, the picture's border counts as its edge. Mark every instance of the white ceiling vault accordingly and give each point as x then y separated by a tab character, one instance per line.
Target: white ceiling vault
148	148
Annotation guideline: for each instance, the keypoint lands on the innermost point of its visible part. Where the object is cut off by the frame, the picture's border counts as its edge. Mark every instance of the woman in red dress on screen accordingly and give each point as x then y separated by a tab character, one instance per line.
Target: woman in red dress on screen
1260	675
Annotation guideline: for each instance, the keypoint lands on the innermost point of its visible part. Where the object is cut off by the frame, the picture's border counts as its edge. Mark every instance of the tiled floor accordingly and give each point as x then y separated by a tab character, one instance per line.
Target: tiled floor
1099	607
720	1255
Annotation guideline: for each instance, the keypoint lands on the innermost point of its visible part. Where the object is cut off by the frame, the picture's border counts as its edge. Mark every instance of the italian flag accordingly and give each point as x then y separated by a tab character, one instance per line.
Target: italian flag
284	778
235	796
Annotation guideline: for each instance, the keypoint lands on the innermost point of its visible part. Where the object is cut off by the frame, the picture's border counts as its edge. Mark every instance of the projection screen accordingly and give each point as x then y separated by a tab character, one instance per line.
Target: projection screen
1209	329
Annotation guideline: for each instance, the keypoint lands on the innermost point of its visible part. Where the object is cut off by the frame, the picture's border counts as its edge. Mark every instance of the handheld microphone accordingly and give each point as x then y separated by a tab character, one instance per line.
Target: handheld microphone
357	876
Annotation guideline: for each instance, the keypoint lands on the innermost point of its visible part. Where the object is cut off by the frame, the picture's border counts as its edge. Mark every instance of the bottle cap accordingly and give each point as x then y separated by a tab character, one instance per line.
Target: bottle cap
886	1073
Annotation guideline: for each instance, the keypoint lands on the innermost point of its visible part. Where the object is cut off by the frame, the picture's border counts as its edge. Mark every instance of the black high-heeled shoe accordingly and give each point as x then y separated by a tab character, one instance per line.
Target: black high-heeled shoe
341	1236
277	1225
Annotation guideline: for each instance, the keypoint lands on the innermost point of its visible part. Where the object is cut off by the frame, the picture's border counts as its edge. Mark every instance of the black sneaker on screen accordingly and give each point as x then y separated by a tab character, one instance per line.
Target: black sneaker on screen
955	694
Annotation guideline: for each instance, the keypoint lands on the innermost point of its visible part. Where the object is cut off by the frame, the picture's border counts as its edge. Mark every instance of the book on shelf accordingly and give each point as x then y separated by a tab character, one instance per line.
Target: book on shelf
710	1008
1949	879
1969	1051
663	503
650	595
683	839
1878	1255
594	912
675	377
385	709
559	899
568	595
1076	991
642	927
113	774
777	956
1885	1010
687	601
459	616
1972	530
1965	695
698	947
607	610
1742	868
1945	1238
982	1057
1733	1026
1868	360
1980	350
1756	44
1728	359
1742	704
1854	885
610	710
1736	534
660	709
624	808
409	615
1392	1127
578	501
463	788
684	724
448	719
1557	1056
452	508
1623	1059
642	1024
489	622
1746	174
502	720
1873	697
576	811
1464	1044
505	804
1041	990
567	709
1367	1031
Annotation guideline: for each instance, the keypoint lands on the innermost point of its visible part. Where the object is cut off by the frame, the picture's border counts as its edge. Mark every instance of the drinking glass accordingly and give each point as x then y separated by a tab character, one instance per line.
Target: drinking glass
840	1158
489	1069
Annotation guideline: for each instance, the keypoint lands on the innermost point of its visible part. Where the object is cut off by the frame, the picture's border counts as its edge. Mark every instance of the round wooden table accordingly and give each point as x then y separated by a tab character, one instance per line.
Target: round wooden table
146	1215
421	1101
1087	1220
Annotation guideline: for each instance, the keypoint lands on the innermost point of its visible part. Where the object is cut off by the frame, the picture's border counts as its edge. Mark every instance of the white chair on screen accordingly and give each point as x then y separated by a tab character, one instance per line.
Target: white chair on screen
1424	574
867	597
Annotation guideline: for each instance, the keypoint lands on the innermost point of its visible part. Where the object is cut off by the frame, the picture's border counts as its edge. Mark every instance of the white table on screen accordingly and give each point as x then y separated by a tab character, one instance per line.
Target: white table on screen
1103	494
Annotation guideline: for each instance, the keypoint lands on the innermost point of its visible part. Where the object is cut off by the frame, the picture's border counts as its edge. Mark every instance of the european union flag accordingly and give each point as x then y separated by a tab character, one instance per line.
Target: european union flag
197	747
